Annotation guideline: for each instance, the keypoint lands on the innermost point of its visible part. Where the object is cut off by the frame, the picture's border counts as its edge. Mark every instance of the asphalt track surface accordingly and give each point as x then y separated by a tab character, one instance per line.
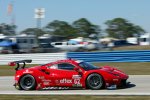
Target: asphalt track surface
140	85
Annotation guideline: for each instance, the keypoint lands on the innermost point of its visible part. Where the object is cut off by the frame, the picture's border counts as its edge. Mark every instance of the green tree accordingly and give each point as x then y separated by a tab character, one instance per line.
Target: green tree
121	28
61	28
85	28
7	29
33	31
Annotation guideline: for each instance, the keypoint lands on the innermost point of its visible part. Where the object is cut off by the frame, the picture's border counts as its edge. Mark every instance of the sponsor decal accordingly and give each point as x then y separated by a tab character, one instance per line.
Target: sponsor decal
41	77
76	79
46	82
27	71
77	85
76	76
66	80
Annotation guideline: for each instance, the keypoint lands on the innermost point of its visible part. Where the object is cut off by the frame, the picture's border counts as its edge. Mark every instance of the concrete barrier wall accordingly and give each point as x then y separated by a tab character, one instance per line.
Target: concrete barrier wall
113	56
37	58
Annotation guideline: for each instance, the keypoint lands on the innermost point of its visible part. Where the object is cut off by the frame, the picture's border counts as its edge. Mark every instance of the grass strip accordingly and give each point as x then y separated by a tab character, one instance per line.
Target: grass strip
71	97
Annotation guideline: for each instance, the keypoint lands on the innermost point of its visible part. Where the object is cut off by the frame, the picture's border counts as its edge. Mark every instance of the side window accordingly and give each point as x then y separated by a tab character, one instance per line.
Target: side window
31	41
19	40
22	40
66	66
53	67
58	43
143	39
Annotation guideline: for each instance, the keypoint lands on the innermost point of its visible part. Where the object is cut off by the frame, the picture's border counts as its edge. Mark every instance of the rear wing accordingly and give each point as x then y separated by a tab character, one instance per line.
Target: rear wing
18	63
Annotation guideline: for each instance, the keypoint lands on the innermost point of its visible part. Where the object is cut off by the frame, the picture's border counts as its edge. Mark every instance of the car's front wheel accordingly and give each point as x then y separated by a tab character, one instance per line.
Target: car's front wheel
94	81
27	82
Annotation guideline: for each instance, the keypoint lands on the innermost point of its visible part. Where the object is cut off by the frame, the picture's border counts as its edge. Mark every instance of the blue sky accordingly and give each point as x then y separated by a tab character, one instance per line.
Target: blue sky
96	11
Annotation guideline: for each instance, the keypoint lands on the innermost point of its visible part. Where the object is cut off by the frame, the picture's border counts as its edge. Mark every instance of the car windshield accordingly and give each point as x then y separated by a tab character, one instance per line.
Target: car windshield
87	66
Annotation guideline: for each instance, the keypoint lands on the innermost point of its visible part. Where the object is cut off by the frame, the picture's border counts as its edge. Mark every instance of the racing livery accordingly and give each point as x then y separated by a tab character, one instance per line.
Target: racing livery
66	73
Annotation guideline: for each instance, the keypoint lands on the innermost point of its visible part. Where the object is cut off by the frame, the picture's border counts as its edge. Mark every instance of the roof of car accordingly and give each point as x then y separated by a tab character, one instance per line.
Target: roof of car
72	61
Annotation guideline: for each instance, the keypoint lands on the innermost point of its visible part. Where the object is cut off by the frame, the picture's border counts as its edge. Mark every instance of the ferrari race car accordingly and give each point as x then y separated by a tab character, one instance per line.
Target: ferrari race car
67	73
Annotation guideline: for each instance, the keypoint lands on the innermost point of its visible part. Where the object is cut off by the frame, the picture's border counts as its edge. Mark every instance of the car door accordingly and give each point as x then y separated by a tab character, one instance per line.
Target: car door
64	75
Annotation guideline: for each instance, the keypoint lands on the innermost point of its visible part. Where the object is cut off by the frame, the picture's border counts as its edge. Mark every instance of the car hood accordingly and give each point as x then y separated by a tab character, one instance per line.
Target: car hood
114	71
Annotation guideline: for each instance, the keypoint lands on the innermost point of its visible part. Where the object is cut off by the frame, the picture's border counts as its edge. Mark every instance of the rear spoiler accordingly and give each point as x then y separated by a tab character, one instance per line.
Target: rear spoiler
14	63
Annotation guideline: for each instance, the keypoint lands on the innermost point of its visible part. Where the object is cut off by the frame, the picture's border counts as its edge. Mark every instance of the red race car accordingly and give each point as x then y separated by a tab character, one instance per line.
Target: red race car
67	73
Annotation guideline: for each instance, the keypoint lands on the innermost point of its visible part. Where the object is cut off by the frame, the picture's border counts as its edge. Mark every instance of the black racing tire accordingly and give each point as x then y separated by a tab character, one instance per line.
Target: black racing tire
94	81
27	82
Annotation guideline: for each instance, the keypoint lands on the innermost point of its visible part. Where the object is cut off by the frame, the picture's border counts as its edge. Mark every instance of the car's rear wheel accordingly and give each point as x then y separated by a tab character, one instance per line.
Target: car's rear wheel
27	82
94	81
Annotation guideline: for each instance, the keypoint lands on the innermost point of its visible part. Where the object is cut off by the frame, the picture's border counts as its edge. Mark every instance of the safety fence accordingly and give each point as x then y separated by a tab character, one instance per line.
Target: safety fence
113	56
37	58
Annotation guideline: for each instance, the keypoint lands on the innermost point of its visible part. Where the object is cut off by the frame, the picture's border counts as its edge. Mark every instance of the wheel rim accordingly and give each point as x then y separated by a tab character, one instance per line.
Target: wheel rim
95	81
27	82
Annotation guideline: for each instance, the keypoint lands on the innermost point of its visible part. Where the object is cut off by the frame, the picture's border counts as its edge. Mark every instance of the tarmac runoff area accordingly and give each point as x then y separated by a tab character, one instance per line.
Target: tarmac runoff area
140	85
